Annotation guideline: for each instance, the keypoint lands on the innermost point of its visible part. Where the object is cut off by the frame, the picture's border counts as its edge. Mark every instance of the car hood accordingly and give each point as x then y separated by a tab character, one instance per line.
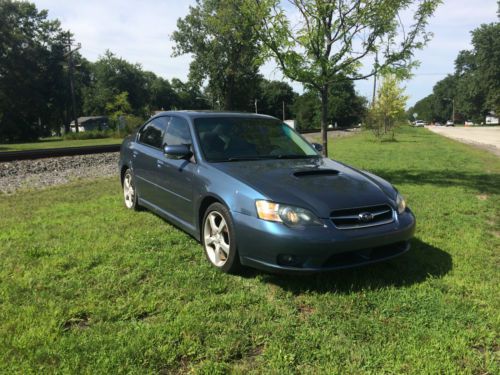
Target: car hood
319	184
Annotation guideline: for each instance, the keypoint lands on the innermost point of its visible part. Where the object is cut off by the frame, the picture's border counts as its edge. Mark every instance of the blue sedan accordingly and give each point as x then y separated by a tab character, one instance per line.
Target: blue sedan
255	193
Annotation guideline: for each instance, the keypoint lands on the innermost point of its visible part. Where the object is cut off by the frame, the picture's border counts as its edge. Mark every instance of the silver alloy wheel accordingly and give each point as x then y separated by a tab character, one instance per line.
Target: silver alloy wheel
216	233
128	190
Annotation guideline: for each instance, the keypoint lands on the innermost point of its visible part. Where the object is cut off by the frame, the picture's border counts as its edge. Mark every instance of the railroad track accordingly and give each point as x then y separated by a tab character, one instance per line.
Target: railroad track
55	152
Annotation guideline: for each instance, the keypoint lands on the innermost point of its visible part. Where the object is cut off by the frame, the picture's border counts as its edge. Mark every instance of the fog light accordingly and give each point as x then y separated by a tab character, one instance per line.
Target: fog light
289	260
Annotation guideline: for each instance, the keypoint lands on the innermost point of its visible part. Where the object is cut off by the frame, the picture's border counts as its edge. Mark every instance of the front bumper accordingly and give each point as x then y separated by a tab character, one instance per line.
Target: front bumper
275	247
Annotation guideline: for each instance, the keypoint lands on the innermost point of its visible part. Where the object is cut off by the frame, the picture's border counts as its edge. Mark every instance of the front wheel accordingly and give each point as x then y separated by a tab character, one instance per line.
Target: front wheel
219	240
129	191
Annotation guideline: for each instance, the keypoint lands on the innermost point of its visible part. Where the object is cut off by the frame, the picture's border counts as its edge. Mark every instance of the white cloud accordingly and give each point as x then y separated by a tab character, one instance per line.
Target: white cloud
139	31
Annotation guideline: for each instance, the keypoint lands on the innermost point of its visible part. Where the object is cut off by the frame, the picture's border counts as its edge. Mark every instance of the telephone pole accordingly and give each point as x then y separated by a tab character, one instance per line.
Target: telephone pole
284	117
375	79
71	69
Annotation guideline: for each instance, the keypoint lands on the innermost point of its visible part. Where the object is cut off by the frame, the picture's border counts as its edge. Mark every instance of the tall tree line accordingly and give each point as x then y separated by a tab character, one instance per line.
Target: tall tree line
223	38
474	88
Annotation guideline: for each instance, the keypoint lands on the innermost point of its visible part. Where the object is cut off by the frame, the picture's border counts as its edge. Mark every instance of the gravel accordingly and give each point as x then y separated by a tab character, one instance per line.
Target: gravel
41	173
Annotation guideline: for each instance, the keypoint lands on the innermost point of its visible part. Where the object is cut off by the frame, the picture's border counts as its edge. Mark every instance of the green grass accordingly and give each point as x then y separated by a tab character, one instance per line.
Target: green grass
88	287
56	142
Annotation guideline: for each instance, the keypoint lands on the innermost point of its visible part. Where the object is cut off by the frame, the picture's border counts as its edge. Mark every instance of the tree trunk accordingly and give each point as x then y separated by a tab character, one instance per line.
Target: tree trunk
324	119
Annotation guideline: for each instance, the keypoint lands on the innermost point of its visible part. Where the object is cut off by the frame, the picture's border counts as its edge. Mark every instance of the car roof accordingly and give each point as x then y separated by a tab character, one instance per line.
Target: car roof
203	113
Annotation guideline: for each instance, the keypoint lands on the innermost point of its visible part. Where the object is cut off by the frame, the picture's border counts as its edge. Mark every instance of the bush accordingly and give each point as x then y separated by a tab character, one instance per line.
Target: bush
91	134
128	124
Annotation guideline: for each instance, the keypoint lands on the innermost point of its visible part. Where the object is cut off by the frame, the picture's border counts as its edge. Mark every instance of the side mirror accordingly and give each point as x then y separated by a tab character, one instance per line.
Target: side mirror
177	151
317	147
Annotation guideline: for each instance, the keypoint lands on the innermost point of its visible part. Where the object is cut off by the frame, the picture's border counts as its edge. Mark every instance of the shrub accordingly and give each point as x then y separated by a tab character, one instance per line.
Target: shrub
91	134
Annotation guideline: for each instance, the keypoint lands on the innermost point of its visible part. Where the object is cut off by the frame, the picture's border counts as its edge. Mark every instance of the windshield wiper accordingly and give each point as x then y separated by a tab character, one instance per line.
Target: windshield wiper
295	156
245	158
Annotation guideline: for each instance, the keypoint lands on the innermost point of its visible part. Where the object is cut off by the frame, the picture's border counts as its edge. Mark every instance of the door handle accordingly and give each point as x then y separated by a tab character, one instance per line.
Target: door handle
159	163
134	154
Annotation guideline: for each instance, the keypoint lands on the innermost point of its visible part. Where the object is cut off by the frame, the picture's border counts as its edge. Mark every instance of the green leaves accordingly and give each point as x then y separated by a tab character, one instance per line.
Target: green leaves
475	84
31	70
326	40
389	107
221	35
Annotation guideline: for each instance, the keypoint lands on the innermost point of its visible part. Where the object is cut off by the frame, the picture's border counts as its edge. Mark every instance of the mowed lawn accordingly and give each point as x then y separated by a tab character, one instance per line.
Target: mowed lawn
57	142
89	287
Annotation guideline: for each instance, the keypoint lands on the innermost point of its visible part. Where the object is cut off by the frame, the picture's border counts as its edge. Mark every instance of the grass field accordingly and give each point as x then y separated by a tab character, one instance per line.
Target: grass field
88	287
57	142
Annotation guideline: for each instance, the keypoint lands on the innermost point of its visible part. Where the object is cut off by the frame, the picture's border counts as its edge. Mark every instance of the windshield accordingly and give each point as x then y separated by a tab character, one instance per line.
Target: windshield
245	138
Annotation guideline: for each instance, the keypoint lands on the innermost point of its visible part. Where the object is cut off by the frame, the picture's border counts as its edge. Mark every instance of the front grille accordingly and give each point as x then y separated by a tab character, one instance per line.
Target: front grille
362	217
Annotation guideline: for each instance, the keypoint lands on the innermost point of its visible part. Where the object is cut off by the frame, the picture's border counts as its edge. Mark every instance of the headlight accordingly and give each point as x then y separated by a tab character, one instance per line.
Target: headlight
289	215
400	202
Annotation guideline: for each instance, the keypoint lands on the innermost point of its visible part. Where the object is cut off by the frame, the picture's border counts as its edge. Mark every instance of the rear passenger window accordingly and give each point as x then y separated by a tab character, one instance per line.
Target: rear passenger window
178	132
152	133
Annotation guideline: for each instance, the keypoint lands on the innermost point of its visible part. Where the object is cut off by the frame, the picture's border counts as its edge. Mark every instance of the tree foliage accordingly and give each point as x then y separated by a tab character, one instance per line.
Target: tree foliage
225	49
345	107
33	88
474	86
271	97
332	38
389	107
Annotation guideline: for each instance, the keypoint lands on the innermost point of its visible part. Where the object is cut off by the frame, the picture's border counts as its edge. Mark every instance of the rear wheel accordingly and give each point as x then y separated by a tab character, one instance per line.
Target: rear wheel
129	191
219	240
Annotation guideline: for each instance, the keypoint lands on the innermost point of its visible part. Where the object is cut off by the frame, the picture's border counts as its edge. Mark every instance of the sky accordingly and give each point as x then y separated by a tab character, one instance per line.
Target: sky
139	31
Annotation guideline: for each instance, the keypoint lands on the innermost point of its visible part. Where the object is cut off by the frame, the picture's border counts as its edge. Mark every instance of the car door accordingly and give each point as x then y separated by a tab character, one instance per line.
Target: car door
175	176
146	154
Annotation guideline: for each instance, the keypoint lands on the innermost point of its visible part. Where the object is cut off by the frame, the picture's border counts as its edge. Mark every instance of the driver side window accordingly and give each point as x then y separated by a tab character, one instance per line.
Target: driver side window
152	133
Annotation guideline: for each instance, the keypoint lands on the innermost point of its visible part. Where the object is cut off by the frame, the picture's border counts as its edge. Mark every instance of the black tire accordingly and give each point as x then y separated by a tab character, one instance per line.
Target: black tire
132	201
231	263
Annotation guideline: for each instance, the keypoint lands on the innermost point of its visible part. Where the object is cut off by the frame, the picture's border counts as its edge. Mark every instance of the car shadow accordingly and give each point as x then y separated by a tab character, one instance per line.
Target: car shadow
482	182
423	261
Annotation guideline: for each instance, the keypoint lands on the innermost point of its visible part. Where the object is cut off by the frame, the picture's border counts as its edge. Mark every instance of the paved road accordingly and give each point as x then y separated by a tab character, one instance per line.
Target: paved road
484	137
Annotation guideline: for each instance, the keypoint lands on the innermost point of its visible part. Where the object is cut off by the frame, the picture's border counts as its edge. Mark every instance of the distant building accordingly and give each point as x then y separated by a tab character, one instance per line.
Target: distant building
492	119
90	123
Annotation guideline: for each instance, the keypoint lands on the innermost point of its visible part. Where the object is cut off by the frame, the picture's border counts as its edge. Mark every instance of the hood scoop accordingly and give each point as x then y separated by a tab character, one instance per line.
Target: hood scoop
316	172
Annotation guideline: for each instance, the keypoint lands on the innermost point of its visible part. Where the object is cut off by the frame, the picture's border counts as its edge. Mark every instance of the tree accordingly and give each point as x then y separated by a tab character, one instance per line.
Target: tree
389	108
189	95
273	95
111	76
224	44
32	79
474	87
486	42
160	92
424	109
345	107
333	38
307	109
119	106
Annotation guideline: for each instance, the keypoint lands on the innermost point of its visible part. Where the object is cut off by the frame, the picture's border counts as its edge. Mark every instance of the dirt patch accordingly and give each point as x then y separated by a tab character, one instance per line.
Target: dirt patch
305	310
79	322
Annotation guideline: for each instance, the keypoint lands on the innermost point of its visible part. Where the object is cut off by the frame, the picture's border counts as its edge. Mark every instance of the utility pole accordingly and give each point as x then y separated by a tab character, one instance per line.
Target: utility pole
69	54
256	106
453	114
375	79
452	100
284	118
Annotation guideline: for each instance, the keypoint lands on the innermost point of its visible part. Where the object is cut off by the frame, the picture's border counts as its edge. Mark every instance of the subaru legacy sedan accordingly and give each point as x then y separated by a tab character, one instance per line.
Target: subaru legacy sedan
255	193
